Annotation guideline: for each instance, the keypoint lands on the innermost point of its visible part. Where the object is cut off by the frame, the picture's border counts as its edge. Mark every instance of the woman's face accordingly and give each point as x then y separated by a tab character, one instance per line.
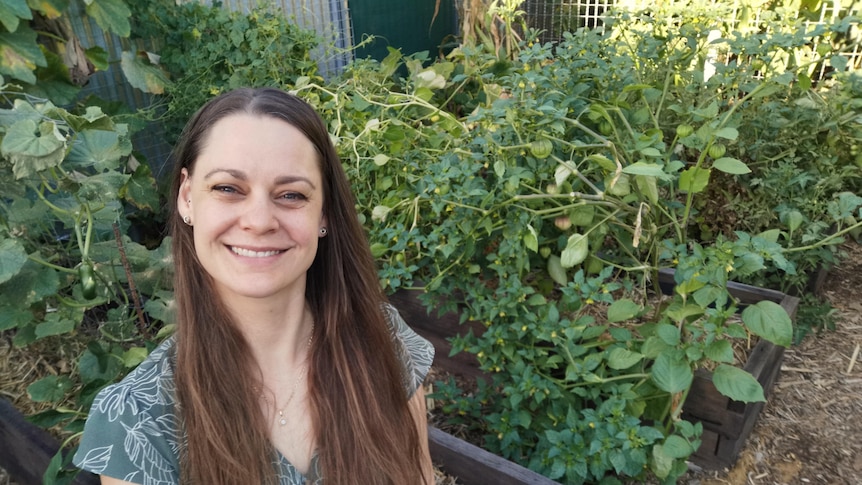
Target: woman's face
255	200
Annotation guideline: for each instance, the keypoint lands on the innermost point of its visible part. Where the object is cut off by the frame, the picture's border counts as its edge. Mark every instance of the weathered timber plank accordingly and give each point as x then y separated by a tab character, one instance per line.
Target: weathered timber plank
26	449
474	466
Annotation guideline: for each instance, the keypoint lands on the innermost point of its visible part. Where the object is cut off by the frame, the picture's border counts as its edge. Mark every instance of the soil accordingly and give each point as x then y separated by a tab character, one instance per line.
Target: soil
810	431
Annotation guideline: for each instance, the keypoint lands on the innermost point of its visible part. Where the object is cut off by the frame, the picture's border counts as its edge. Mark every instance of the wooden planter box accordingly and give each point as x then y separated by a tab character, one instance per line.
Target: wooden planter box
27	449
726	423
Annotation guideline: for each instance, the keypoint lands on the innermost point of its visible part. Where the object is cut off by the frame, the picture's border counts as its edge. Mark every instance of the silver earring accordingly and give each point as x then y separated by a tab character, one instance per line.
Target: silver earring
322	231
187	220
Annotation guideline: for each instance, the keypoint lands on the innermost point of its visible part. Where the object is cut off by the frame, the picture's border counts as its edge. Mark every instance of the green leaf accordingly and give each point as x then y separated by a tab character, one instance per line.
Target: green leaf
728	133
104	187
769	320
672	374
11	11
648	186
662	461
793	219
731	166
50	8
33	148
54	324
142	74
679	312
11	317
577	250
737	384
650	152
694	180
141	189
111	15
620	358
644	168
668	334
12	258
54	81
49	389
556	270
20	54
531	240
623	309
99	58
839	62
134	356
707	295
720	351
678	447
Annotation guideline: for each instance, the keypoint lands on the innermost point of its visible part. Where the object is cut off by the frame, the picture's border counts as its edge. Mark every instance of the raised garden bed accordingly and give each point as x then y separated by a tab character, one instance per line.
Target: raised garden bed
726	423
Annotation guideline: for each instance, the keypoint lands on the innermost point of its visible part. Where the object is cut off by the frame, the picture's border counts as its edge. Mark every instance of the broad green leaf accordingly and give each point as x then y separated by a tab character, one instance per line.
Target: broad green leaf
707	113
50	8
720	351
556	270
731	166
620	358
602	161
672	374
694	180
737	384
12	258
669	334
103	187
141	189
707	295
11	317
654	346
380	159
99	58
380	212
679	312
33	148
577	249
678	447
134	356
651	152
648	186
142	74
769	320
728	133
771	235
644	168
12	11
112	16
531	240
582	216
561	173
20	54
662	461
54	81
793	219
839	62
49	389
54	324
623	309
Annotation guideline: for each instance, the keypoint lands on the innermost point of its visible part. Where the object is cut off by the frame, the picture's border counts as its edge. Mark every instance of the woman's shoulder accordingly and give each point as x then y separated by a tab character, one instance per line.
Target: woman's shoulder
149	385
416	353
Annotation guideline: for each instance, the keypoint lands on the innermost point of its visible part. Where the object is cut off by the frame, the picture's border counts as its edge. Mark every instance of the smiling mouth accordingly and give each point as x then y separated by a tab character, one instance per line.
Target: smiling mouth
248	253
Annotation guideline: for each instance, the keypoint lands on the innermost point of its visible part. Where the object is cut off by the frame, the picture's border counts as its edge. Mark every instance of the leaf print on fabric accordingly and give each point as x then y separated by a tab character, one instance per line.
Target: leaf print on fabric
414	351
97	459
139	447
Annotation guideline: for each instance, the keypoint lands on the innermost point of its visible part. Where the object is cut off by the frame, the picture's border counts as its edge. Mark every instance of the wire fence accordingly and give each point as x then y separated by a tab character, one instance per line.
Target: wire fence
554	17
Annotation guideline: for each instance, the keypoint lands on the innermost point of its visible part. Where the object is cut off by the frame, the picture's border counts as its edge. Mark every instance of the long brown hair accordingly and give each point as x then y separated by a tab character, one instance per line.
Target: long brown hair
363	429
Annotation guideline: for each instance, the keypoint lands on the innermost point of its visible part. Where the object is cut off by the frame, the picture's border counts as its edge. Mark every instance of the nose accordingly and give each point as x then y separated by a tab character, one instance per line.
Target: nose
258	214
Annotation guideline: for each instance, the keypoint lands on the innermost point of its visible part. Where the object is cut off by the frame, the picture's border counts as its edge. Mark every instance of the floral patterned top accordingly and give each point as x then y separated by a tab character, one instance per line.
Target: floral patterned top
132	432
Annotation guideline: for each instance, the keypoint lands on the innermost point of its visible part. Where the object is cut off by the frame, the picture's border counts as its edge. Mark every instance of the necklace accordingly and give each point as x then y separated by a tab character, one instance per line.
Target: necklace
281	419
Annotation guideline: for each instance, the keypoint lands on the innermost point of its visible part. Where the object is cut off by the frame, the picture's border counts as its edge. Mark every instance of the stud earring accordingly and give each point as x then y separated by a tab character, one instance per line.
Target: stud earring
322	231
187	220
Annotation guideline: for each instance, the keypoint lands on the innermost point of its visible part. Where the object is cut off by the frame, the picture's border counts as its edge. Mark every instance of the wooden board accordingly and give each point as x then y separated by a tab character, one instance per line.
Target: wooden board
26	449
474	466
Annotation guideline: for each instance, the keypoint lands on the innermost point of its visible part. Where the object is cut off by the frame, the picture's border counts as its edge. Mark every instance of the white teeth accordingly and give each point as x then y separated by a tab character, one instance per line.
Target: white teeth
253	254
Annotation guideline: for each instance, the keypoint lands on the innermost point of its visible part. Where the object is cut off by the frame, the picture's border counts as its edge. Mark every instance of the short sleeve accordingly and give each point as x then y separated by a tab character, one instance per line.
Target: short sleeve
131	431
416	353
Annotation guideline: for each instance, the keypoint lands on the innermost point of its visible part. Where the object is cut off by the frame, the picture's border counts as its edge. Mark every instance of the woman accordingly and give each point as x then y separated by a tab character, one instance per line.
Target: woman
287	365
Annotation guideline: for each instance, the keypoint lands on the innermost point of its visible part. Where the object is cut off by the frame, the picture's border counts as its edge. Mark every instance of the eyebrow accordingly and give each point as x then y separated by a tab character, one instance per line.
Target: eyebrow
282	180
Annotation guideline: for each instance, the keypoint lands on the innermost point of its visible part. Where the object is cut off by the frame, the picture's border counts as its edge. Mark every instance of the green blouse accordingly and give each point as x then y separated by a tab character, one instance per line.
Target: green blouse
132	432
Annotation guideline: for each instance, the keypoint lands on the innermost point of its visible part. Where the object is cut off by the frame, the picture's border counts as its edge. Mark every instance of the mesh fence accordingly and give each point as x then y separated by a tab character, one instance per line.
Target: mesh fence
554	17
328	18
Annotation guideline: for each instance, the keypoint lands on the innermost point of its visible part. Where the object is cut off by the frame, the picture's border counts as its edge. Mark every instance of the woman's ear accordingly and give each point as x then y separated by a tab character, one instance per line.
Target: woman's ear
184	200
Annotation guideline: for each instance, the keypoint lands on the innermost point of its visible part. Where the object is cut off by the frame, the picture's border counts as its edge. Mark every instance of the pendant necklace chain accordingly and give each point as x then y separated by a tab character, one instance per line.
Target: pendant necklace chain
282	420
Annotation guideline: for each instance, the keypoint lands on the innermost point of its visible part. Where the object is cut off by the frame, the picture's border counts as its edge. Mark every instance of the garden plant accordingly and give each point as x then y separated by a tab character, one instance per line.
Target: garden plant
536	188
